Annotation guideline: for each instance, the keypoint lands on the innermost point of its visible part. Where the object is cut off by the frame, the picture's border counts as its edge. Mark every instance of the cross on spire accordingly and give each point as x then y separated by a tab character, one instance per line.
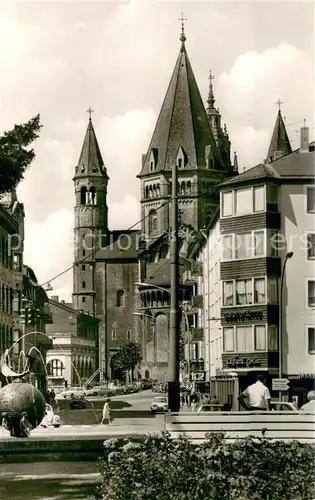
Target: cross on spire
182	19
90	111
279	104
211	77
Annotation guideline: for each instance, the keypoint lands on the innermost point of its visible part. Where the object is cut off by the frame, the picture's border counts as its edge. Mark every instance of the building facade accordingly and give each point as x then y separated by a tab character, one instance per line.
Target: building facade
74	356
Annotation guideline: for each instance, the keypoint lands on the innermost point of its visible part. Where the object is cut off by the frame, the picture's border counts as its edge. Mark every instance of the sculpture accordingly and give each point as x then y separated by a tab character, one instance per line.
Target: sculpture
22	405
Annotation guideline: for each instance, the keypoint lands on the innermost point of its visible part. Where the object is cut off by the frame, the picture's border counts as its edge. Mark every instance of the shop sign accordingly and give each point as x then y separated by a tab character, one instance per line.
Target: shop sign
239	362
243	316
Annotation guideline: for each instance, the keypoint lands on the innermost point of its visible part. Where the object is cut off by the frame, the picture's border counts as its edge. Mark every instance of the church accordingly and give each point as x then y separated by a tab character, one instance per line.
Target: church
123	277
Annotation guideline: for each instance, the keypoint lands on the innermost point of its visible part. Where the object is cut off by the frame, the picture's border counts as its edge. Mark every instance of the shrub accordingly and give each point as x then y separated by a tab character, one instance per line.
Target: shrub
160	468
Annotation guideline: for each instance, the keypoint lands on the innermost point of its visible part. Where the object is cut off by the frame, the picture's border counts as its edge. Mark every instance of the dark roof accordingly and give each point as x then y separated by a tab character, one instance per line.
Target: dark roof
296	165
123	244
160	272
279	141
203	234
90	158
182	122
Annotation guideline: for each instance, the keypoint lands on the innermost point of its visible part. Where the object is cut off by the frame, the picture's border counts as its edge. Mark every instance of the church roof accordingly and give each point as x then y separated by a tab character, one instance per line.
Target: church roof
279	141
182	123
123	245
90	161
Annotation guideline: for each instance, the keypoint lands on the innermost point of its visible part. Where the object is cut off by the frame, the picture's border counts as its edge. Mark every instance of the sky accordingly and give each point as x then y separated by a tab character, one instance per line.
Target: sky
59	58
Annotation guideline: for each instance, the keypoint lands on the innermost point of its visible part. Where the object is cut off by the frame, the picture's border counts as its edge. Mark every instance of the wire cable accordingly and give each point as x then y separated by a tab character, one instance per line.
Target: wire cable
91	255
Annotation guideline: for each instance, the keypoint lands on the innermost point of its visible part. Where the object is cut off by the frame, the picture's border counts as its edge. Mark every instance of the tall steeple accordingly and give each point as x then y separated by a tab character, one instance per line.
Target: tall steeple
280	143
220	135
182	136
90	218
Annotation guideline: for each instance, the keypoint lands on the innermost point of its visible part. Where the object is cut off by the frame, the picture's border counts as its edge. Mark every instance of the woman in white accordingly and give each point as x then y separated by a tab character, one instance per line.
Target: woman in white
106	412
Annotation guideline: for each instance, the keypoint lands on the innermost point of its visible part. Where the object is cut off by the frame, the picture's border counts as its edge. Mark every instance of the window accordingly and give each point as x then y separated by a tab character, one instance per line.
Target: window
311	246
311	293
83	253
243	290
259	291
272	198
228	339
259	199
83	267
243	246
227	243
227	204
227	293
55	368
113	334
83	299
180	162
272	291
259	243
272	338
83	284
120	298
244	339
128	334
243	201
152	221
260	337
311	339
276	242
310	196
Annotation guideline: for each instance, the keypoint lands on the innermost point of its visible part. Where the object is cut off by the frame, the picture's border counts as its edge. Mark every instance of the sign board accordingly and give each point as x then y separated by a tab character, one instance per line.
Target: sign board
280	384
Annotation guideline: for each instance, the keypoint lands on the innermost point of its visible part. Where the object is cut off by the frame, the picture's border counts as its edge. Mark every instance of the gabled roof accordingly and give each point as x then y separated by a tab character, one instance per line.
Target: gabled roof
182	122
279	141
90	161
260	171
122	245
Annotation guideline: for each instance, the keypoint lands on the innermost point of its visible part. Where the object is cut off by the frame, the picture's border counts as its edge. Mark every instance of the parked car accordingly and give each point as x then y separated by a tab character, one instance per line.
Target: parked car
159	405
283	406
210	407
50	418
99	390
78	403
76	392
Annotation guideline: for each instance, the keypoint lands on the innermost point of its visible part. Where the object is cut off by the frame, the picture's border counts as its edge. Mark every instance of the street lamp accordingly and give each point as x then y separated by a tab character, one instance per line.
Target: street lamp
288	256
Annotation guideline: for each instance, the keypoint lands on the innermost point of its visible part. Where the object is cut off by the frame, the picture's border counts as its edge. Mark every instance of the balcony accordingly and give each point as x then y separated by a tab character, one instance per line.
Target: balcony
197	334
197	301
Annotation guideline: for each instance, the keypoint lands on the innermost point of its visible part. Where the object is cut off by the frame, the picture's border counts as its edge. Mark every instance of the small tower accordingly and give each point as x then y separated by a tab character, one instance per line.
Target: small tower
280	143
90	218
220	135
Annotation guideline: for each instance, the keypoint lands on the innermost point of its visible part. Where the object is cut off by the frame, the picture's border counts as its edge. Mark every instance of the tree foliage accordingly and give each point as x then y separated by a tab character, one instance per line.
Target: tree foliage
160	468
15	154
128	356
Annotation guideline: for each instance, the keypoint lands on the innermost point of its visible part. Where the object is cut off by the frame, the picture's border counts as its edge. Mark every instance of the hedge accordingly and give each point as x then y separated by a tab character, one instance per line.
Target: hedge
158	467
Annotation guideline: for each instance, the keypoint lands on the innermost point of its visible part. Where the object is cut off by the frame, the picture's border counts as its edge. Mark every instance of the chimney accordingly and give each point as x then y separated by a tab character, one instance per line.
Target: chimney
304	146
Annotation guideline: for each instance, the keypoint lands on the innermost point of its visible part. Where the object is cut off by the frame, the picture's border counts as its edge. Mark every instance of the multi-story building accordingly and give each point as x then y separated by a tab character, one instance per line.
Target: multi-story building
74	356
266	213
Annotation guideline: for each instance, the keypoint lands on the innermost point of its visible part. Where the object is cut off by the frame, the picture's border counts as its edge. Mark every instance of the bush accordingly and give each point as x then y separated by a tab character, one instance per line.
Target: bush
160	468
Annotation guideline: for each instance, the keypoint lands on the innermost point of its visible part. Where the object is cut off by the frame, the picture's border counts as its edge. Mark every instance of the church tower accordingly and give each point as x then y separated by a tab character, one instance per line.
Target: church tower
182	136
220	134
90	219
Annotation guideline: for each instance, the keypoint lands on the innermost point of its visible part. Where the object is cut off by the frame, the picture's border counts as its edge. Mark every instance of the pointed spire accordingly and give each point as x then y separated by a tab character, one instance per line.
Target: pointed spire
211	99
90	161
280	143
182	35
182	124
235	162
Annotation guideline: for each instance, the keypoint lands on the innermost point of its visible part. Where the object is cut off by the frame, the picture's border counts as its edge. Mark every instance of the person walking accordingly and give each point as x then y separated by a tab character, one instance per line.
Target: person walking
106	412
310	406
258	396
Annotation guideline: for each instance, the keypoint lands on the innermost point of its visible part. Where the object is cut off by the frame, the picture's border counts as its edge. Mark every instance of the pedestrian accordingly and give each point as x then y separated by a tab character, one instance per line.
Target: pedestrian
193	402
25	426
106	412
310	406
258	396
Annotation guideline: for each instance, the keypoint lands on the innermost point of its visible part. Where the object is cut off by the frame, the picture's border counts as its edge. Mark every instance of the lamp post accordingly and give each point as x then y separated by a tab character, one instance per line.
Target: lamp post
288	256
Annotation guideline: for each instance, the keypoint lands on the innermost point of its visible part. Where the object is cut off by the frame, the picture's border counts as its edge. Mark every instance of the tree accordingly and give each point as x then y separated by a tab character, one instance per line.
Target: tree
15	155
128	356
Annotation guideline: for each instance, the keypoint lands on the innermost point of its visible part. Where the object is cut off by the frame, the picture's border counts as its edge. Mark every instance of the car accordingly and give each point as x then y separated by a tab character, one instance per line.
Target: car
159	405
50	418
76	392
283	406
78	403
209	407
99	390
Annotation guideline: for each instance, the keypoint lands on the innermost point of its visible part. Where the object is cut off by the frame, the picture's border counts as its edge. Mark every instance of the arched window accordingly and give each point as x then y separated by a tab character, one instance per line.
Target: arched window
55	368
150	192
147	192
154	191
120	298
83	284
152	221
148	325
189	187
92	196
158	190
83	195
